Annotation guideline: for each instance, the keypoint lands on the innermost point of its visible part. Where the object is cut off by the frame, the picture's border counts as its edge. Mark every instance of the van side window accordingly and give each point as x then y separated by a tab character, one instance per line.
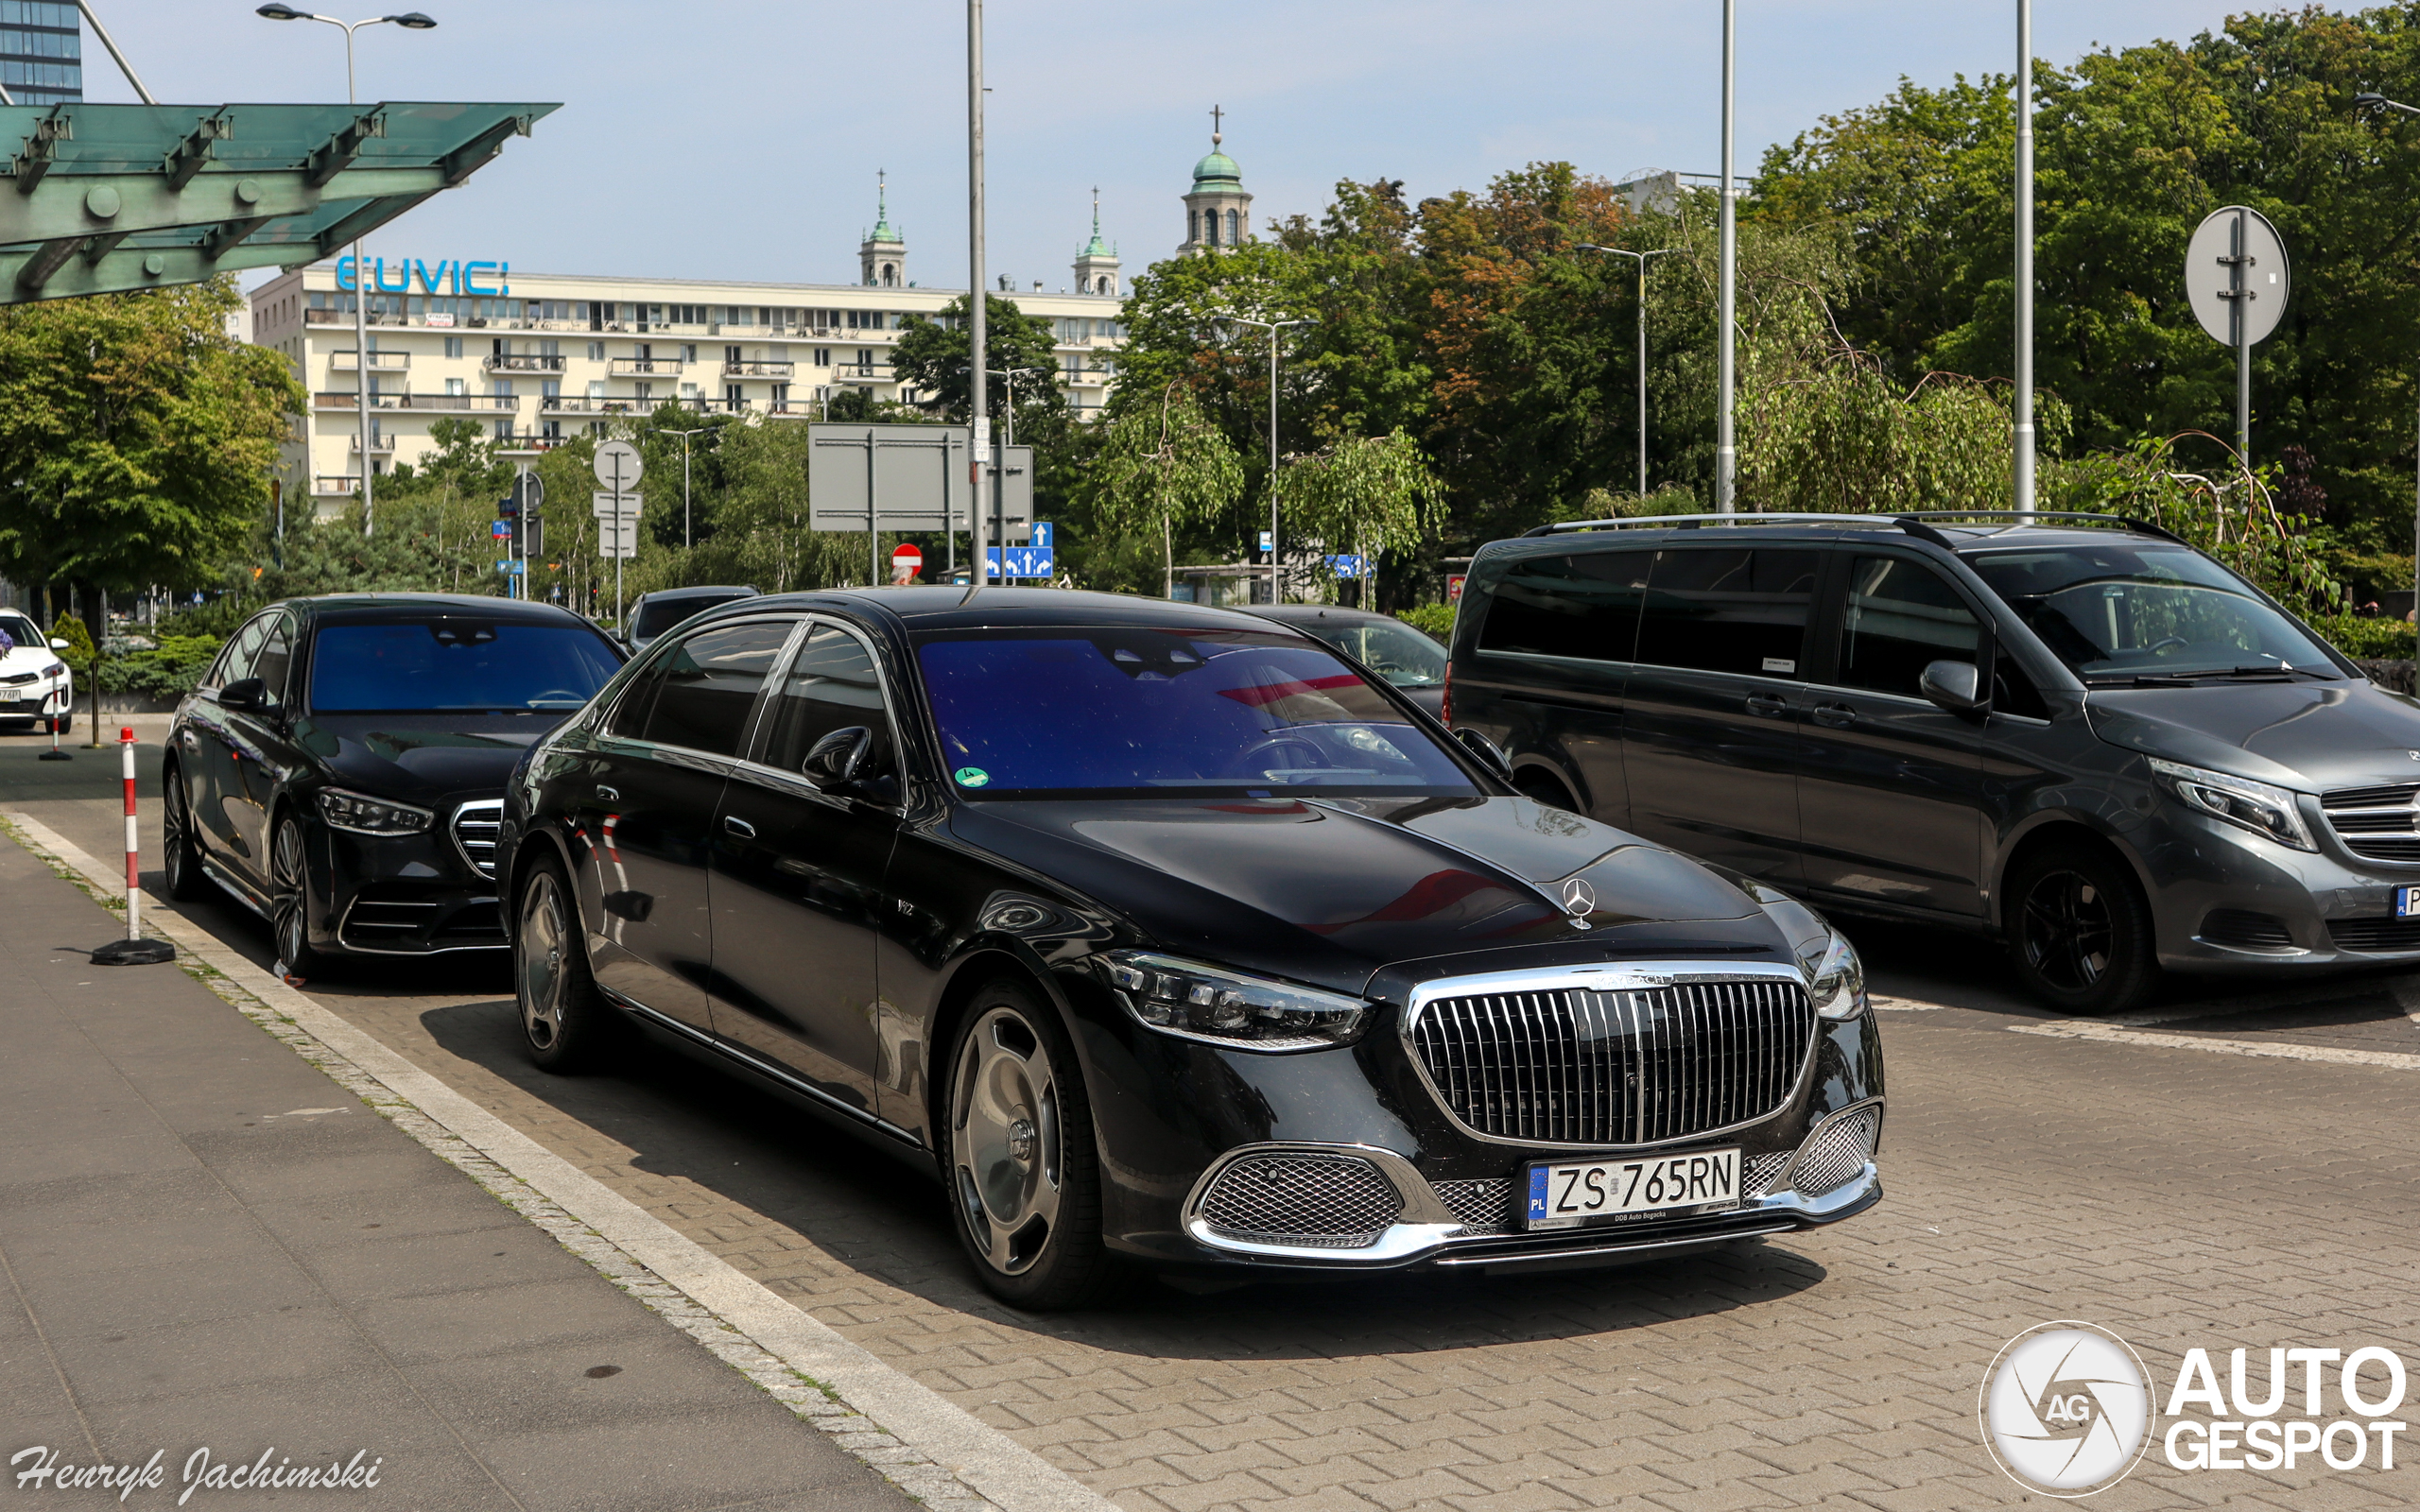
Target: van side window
1901	615
1728	609
1585	604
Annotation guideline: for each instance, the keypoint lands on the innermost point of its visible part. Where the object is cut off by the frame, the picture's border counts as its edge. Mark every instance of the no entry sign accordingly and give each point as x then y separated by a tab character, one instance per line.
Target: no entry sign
907	561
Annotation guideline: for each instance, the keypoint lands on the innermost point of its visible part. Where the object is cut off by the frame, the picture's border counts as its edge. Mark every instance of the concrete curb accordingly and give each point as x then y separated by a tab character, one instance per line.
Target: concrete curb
933	1448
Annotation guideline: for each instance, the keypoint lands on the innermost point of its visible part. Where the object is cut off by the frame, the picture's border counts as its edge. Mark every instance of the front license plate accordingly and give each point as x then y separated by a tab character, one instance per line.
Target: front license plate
2406	902
1567	1195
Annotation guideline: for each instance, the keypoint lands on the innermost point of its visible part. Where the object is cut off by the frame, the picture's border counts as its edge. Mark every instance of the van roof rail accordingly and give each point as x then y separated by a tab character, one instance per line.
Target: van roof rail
1657	521
1913	522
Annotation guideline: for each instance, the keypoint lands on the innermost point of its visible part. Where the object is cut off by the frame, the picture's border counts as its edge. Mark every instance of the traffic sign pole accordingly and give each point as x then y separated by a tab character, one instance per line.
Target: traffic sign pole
617	467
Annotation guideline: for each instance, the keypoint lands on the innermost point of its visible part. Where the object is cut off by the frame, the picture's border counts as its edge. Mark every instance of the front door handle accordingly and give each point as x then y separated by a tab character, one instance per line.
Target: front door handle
1770	708
610	794
739	827
1837	715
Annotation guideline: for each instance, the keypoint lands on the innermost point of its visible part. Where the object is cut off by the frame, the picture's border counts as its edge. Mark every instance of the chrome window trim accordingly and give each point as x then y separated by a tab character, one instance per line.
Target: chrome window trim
759	728
1610	977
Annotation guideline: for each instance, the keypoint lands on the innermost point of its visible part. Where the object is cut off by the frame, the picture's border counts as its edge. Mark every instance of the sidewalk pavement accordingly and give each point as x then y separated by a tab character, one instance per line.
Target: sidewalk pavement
209	1247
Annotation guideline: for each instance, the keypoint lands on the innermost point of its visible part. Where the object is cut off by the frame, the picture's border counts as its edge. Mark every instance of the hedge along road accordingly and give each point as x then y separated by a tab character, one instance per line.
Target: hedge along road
2216	1172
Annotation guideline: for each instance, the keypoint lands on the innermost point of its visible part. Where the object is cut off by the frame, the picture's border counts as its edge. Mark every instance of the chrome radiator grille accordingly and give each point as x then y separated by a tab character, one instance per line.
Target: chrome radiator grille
477	824
1576	1066
2377	822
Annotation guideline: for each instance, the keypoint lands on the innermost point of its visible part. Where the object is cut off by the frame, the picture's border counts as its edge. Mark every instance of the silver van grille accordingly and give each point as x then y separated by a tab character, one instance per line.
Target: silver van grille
2376	822
1574	1066
476	825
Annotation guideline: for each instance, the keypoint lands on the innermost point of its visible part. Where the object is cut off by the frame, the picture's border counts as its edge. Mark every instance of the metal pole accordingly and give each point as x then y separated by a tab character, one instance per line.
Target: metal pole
118	58
949	517
1272	463
977	352
1642	377
873	521
2241	307
1726	450
2025	434
685	542
360	322
618	553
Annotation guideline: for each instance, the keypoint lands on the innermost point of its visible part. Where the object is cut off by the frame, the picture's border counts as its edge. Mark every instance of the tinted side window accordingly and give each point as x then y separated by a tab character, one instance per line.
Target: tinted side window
1900	616
710	684
235	662
1728	609
832	685
275	658
1585	604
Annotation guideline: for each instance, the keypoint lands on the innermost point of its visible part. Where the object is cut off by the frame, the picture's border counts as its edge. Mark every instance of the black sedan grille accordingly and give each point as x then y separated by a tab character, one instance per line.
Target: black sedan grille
1578	1066
2376	822
477	824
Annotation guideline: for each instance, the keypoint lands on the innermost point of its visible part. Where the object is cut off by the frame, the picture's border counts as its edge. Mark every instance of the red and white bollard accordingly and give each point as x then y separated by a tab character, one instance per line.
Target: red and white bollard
133	950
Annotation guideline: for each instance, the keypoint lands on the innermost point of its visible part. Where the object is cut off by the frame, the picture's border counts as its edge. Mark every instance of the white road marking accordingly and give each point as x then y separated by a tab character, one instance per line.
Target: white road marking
2280	1049
1883	1005
983	1458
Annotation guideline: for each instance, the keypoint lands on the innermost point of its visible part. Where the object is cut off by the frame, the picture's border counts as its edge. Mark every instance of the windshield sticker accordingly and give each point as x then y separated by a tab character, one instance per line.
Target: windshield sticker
972	775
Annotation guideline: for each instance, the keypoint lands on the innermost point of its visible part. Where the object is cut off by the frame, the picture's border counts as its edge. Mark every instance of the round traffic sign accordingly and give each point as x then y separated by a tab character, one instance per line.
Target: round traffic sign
623	453
906	554
2216	282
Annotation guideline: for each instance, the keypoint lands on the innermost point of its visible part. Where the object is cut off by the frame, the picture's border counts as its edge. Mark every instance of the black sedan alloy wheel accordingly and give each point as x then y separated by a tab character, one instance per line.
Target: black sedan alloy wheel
290	907
564	1024
179	856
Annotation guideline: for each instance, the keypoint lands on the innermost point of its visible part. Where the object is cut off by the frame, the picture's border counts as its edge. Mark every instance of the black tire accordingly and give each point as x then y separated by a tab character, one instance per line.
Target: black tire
2079	930
567	1025
289	900
1018	1157
180	849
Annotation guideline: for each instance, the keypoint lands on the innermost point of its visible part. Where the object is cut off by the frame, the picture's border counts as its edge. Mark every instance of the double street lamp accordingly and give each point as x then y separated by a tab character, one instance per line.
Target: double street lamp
1640	258
1272	327
410	21
684	435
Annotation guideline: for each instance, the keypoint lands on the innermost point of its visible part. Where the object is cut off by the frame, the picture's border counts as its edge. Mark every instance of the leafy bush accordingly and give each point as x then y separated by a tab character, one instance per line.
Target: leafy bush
2366	637
78	655
1433	620
169	673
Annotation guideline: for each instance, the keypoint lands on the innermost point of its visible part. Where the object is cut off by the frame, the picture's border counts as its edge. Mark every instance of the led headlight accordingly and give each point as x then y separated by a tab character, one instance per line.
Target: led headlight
2256	806
364	815
1196	1001
1837	982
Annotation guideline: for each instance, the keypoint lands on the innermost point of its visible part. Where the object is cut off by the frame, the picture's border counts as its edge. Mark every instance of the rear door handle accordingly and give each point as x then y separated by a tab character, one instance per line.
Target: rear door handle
1769	707
1837	715
610	794
739	827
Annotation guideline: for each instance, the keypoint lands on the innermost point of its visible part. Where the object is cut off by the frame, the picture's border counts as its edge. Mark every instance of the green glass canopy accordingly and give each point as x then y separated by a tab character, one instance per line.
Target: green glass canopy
109	198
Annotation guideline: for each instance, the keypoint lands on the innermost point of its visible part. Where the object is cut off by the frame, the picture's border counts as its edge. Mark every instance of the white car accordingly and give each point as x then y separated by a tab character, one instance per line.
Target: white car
35	684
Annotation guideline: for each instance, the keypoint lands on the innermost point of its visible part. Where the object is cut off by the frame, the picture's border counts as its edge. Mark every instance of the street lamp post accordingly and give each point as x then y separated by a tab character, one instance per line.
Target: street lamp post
412	21
1272	327
1640	258
999	476
2379	102
1726	449
685	479
978	302
2023	398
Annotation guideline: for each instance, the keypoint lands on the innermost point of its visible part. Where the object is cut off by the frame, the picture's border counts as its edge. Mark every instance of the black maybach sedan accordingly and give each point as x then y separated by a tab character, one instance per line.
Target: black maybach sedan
1164	935
341	769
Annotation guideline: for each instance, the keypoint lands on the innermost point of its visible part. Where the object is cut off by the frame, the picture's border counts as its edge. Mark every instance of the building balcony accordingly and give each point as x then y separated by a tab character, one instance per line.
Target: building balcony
530	445
426	404
378	443
644	367
337	485
758	369
379	361
520	362
879	373
576	405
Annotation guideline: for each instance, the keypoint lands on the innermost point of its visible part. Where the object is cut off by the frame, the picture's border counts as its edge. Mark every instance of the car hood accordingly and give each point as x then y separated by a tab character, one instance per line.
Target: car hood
2314	736
422	757
1331	890
24	659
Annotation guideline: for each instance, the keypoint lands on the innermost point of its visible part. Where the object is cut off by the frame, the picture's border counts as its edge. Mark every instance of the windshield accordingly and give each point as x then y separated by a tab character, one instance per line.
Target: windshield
1393	650
21	632
662	615
2131	609
455	664
1064	712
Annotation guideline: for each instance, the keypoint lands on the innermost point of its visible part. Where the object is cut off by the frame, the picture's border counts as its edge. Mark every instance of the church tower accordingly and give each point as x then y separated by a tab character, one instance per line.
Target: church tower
882	257
1097	264
1218	213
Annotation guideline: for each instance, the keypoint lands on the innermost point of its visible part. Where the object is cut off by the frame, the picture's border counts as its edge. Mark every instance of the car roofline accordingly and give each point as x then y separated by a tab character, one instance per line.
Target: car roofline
1916	522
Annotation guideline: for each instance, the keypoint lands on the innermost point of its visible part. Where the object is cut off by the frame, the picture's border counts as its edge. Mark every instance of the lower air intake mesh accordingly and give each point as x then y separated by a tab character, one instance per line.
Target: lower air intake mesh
1836	1152
1317	1201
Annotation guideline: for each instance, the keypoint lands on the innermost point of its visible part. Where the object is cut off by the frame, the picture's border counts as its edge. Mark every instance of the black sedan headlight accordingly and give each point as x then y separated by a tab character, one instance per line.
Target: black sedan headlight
2256	806
1223	1008
364	815
1836	980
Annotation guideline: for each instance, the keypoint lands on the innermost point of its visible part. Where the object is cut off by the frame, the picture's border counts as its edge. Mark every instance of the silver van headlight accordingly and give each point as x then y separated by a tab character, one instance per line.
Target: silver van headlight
2256	806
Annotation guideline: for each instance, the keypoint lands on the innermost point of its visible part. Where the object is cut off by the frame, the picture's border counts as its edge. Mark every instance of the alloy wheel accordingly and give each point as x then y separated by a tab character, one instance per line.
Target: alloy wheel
290	916
2068	930
1005	1141
176	833
538	945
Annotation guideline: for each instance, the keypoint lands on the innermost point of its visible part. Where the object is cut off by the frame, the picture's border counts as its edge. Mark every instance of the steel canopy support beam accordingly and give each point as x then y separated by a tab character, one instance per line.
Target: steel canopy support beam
475	153
186	158
376	212
47	259
96	247
215	245
41	148
133	267
340	149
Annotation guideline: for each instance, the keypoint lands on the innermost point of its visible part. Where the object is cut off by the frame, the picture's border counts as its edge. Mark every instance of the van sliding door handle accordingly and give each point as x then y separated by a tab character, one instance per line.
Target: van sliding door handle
739	827
1837	715
1770	708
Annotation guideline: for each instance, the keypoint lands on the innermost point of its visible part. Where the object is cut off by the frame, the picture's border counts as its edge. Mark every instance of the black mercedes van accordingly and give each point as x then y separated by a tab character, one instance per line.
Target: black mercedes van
2077	733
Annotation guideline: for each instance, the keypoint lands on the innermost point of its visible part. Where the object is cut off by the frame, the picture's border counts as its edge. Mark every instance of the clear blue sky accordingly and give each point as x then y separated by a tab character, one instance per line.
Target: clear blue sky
740	138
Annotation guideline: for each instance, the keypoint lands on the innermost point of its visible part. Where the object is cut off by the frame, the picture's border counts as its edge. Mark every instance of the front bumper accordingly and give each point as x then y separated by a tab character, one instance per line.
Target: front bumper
2222	898
33	705
401	895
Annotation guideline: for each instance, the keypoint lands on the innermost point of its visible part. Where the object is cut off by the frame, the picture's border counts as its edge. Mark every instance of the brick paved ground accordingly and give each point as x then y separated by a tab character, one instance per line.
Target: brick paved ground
2179	1196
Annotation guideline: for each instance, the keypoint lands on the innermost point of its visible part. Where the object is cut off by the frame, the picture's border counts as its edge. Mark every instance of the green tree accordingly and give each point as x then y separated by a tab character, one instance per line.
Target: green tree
1159	466
930	357
1361	494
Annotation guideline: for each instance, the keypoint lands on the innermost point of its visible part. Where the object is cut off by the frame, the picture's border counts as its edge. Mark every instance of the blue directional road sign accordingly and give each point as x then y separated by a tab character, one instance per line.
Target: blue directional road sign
512	569
501	529
1023	562
1349	566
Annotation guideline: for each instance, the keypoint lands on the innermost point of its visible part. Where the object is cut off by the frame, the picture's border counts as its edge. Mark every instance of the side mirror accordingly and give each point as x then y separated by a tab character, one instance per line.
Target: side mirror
839	758
244	693
1956	686
1489	754
58	644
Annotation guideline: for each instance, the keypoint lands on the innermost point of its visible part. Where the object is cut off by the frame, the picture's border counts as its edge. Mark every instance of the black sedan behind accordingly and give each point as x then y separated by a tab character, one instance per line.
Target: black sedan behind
1382	642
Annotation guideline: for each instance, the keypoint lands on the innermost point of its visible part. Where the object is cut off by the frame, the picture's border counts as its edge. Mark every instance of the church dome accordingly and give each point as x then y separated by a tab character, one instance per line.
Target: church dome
1217	171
